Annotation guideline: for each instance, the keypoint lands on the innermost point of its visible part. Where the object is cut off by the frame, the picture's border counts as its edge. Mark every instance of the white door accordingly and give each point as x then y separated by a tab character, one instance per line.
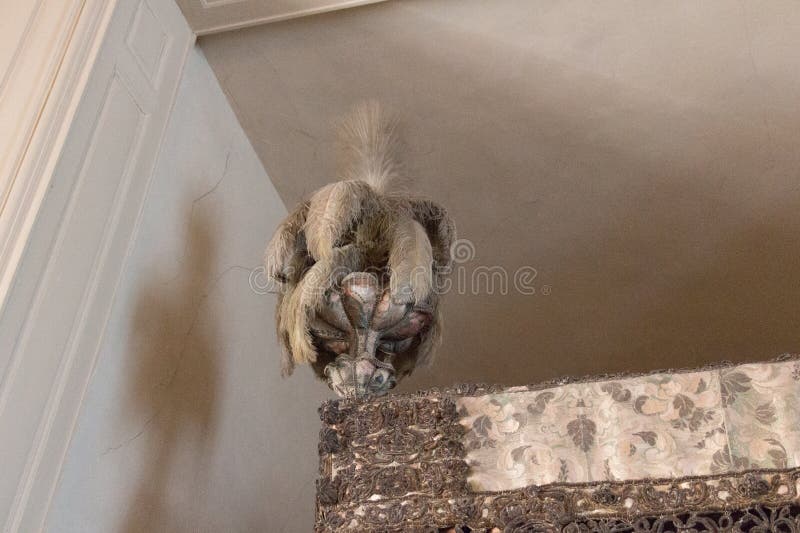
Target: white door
82	221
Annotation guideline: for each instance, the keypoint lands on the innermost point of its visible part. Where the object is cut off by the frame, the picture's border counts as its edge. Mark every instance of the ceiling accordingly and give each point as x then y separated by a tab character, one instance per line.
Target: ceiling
642	157
211	16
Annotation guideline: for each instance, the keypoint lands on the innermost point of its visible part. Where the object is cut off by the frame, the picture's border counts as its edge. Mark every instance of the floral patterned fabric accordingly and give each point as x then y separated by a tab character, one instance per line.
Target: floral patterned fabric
660	425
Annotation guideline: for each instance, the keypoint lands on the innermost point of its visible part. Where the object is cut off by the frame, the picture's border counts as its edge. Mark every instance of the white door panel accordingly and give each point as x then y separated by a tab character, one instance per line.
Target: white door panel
59	301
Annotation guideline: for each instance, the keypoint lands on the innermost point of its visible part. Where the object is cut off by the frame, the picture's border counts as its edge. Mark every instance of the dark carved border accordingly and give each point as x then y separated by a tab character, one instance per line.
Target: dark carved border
756	519
389	449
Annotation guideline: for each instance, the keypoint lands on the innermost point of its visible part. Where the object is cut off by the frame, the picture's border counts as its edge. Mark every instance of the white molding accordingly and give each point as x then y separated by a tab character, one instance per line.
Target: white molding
207	4
153	73
90	190
214	16
327	8
41	88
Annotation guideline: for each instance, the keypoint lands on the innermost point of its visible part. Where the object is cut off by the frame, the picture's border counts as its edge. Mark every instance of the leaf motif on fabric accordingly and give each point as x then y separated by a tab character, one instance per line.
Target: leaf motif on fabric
721	460
648	437
740	463
582	431
778	457
646	405
732	384
482	425
563	472
777	454
617	391
724	461
517	454
683	404
638	404
540	402
607	470
765	413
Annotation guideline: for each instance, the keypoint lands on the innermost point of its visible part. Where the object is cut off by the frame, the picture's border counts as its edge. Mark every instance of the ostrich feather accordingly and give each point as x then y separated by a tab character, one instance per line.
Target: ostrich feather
410	262
370	147
285	245
366	222
430	340
440	228
281	310
332	211
300	304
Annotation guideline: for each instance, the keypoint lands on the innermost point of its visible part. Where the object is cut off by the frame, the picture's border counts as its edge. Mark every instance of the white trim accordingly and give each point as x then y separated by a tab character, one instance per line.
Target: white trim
91	188
335	6
210	4
36	111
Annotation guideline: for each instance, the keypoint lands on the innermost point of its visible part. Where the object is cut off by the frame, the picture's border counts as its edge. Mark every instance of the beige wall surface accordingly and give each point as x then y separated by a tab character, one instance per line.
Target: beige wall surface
643	157
186	425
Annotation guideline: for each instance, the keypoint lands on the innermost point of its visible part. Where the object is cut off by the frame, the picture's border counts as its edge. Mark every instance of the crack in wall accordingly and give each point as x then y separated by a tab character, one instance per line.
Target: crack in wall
181	356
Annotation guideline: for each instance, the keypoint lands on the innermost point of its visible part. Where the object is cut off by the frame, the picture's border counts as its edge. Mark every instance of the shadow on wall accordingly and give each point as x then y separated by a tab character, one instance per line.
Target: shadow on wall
174	383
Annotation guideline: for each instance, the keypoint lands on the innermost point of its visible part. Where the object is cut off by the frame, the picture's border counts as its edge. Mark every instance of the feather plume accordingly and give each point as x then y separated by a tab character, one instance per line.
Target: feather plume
281	310
304	300
440	228
362	223
410	262
370	145
431	339
332	211
285	245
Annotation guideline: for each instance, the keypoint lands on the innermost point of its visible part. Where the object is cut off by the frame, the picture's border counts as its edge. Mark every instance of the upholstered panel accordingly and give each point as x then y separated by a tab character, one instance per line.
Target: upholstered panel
762	411
701	450
661	425
626	429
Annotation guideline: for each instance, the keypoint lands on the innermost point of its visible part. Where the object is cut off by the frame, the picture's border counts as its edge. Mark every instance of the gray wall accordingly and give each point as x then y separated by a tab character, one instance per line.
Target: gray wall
186	425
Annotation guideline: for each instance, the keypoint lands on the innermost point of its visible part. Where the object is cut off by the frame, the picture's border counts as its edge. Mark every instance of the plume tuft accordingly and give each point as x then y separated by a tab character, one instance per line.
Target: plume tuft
410	262
370	145
366	221
332	211
285	246
298	308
